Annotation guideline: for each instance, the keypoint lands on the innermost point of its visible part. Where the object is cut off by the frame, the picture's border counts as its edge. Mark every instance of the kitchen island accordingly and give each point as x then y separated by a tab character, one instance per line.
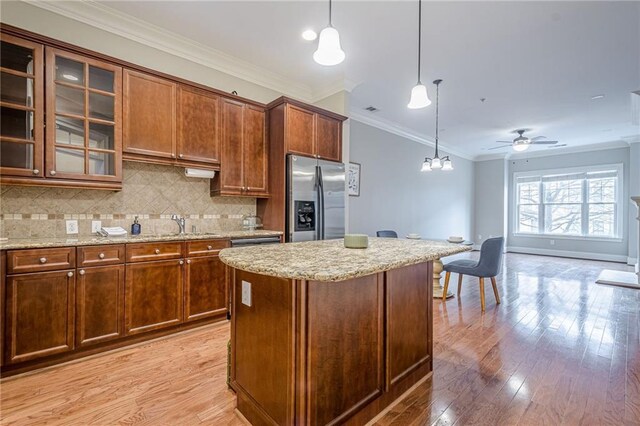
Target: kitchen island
322	334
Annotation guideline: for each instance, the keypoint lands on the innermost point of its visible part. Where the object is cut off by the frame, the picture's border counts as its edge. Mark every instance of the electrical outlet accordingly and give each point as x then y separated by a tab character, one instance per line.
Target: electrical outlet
96	225
552	242
246	293
72	226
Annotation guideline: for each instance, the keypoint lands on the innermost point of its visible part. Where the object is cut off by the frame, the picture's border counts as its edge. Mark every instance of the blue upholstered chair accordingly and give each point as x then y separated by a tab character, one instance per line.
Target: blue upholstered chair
387	234
487	267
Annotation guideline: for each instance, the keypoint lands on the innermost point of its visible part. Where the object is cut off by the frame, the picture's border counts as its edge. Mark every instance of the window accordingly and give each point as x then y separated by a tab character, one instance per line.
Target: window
582	203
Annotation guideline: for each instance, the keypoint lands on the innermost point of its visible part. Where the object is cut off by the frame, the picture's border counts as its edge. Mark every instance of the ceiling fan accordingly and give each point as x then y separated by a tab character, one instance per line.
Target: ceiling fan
522	143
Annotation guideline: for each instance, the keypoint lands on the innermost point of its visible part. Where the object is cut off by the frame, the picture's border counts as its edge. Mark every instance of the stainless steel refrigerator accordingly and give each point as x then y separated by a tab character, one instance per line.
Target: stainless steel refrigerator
315	199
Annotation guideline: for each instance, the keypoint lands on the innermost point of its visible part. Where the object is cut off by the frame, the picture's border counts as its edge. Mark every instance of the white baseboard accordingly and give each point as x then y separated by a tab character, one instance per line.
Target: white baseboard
567	253
631	261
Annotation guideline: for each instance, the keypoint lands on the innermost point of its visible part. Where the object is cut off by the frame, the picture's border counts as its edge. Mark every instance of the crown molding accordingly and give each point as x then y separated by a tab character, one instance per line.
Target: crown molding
404	132
105	18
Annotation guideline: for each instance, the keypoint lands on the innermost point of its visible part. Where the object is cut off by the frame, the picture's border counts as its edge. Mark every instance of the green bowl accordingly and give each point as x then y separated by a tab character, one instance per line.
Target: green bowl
356	241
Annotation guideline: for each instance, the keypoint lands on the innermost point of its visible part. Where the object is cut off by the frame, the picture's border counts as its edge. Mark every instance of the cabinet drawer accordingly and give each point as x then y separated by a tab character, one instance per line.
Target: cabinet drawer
100	255
205	247
39	260
142	252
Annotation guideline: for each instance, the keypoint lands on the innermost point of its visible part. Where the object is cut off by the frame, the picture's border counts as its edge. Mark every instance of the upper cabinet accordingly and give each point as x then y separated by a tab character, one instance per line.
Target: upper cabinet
21	107
244	153
311	131
149	116
83	118
198	126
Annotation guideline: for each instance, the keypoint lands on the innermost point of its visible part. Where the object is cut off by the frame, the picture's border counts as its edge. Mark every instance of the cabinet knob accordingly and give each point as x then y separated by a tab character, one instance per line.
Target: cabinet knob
52	172
101	255
36	171
69	274
180	155
43	260
81	272
157	251
182	262
209	248
173	156
188	260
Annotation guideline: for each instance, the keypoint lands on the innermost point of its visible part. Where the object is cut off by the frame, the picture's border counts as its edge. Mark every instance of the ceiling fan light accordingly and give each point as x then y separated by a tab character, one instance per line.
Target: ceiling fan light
436	164
519	147
329	52
426	166
447	165
419	97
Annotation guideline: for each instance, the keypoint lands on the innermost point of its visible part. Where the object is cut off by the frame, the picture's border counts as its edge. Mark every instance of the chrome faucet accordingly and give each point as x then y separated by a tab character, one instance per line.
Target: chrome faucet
180	221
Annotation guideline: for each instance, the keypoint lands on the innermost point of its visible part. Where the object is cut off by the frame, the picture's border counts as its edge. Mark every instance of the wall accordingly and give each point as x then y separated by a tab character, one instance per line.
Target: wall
152	192
634	190
35	19
394	194
604	250
490	188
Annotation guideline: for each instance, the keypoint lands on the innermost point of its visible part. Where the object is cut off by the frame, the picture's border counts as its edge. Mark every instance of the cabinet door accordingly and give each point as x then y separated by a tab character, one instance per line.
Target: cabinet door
328	138
99	304
84	118
22	107
231	170
40	312
300	131
153	295
149	115
255	152
198	116
206	288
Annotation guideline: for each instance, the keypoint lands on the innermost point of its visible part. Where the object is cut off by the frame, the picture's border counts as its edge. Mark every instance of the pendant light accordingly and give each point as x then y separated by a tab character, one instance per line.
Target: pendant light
419	97
436	162
329	51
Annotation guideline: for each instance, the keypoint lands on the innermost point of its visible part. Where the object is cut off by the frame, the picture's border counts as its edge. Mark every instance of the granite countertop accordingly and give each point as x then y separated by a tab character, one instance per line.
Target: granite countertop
329	260
90	240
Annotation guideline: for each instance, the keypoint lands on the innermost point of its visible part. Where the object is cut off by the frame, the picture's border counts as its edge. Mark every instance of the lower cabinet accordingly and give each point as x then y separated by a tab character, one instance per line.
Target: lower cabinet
205	288
39	315
153	294
99	304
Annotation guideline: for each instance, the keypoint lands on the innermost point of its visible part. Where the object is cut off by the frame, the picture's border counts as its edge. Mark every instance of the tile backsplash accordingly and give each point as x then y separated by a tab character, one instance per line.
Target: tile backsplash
150	191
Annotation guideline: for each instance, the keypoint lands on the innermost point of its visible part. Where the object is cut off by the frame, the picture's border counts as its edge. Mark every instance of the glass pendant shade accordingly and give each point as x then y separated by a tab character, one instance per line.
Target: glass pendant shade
419	97
329	51
426	166
520	147
447	165
436	164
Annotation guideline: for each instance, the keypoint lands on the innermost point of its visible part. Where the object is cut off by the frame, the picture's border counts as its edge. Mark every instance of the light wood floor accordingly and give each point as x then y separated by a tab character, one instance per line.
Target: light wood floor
558	350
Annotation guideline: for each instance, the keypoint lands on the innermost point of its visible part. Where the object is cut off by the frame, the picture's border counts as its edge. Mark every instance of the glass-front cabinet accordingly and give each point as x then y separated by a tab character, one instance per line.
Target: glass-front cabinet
84	122
21	107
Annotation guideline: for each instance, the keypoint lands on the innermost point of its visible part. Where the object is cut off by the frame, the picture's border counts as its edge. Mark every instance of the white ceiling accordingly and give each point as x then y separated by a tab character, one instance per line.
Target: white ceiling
537	63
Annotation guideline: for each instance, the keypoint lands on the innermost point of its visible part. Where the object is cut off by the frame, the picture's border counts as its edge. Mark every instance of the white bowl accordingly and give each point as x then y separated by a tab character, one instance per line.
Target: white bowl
414	236
455	239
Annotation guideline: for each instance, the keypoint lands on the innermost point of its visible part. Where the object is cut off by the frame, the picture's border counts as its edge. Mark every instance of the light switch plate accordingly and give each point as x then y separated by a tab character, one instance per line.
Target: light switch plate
246	293
95	226
72	226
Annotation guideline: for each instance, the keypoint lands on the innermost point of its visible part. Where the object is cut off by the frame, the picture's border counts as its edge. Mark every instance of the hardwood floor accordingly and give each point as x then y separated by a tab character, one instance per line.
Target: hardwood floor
559	349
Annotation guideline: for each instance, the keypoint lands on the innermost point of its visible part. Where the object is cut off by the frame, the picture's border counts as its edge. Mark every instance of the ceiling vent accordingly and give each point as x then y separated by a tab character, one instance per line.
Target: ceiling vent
371	108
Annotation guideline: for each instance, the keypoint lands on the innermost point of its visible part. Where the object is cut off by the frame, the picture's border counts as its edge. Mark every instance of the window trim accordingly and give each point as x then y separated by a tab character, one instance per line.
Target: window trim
617	237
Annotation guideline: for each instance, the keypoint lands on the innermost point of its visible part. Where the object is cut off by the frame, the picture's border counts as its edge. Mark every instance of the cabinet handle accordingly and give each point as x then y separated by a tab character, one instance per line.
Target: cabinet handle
180	156
52	172
157	251
188	260
43	260
182	262
101	255
209	248
69	274
36	171
81	272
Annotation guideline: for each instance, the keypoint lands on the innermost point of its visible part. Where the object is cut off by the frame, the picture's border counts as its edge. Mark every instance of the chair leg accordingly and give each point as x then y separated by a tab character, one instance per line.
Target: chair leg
446	286
459	283
495	289
482	293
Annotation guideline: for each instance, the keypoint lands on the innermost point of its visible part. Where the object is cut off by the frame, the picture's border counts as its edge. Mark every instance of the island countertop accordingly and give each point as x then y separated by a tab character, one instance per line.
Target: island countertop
329	260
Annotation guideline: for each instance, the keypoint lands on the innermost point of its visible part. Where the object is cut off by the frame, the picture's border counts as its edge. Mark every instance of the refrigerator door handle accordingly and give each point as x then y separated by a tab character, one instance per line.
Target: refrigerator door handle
321	202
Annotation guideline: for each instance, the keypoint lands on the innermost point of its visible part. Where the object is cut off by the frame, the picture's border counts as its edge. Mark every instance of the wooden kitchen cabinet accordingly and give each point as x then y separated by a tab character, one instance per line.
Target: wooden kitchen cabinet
206	293
198	127
300	131
149	117
328	138
154	295
244	153
39	315
99	304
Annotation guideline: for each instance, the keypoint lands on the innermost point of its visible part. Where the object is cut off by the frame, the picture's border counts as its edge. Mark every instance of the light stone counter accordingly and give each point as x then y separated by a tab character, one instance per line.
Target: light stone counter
91	240
329	260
